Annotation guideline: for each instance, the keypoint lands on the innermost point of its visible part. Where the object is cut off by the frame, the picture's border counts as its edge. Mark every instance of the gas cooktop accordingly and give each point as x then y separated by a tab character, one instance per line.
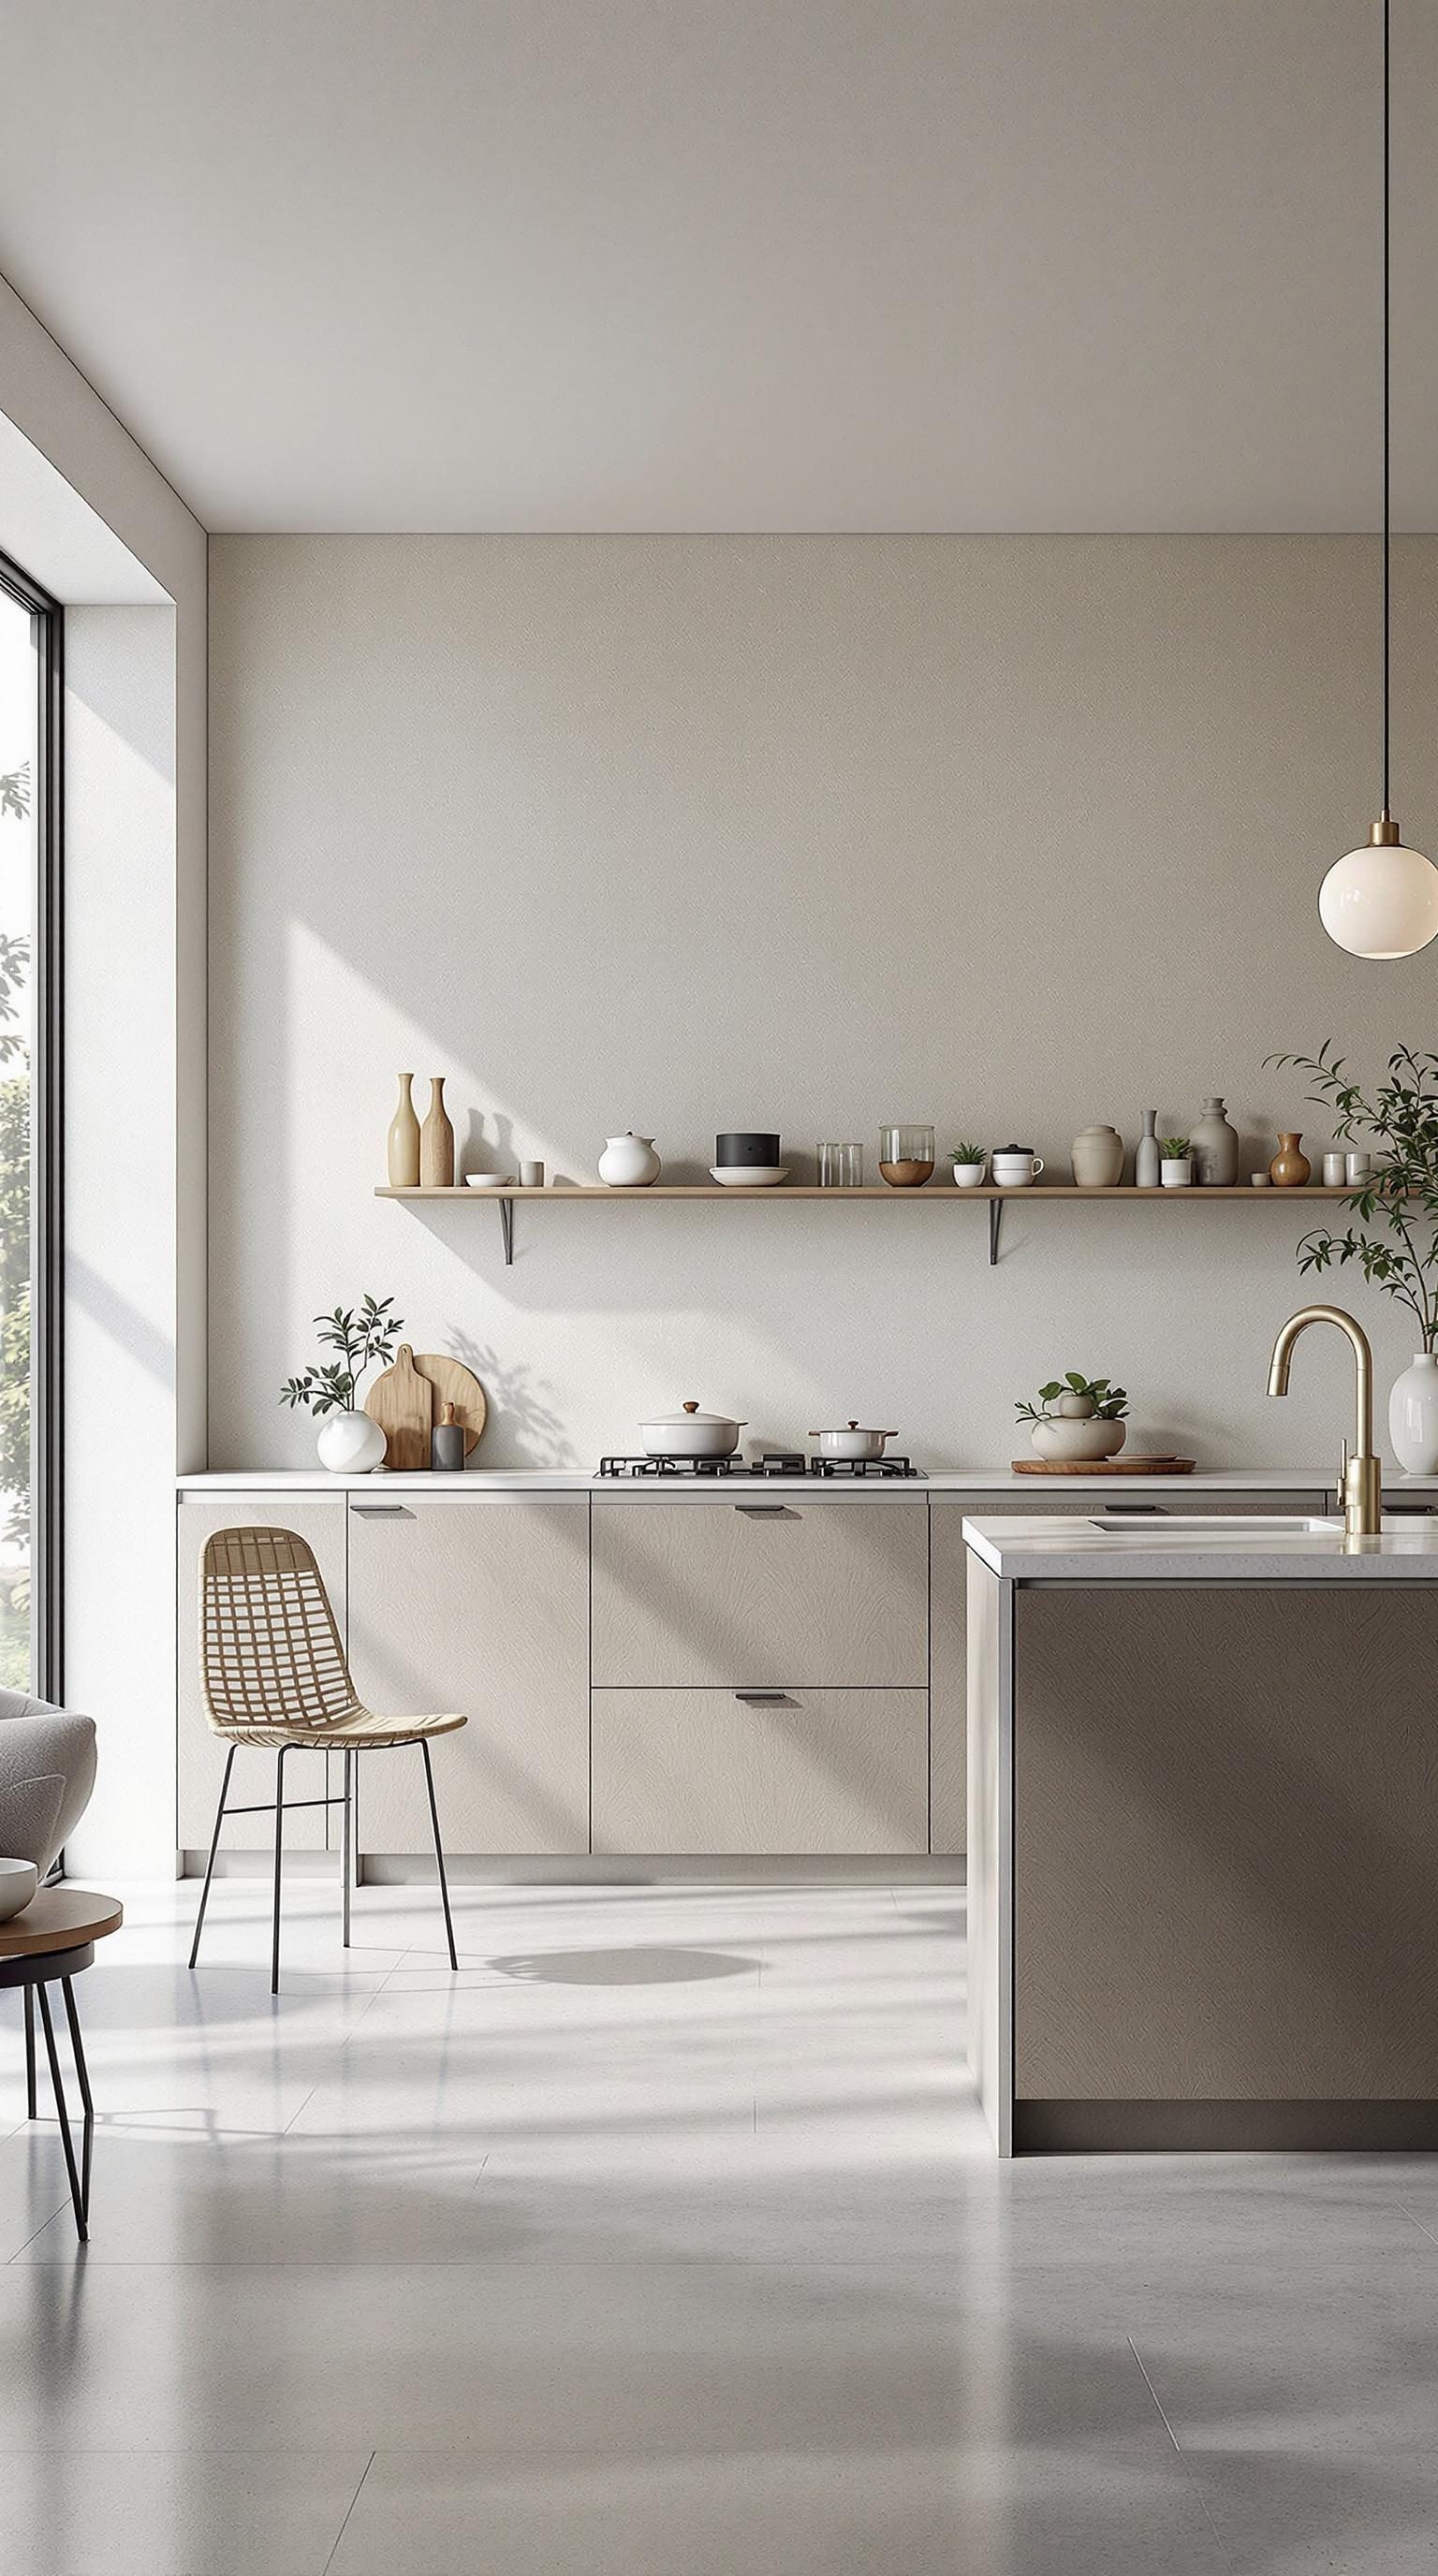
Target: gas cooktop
773	1463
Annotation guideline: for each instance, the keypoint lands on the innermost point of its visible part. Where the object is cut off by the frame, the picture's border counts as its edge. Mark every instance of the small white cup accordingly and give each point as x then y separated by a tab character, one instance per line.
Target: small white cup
1016	1171
531	1176
1335	1171
1358	1167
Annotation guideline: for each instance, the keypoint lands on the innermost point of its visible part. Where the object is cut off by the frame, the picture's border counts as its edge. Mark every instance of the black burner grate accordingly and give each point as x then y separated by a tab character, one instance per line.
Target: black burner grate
778	1463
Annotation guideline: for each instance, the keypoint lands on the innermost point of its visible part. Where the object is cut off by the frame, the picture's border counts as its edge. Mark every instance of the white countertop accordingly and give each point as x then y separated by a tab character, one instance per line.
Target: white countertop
937	1480
1068	1549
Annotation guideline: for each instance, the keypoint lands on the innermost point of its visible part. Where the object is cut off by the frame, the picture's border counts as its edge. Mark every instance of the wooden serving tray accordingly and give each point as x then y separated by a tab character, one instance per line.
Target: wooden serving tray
1097	1467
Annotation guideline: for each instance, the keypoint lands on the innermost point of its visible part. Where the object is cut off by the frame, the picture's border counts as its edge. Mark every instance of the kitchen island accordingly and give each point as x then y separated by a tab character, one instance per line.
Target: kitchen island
1203	1821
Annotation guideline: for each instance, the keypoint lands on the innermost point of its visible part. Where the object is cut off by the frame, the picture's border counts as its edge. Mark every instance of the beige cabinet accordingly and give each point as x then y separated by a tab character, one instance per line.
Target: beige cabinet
948	1578
482	1606
767	1772
761	1593
200	1756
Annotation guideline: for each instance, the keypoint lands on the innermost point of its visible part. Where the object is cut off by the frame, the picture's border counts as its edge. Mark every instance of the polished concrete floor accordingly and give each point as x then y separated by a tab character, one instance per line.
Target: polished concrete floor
664	2240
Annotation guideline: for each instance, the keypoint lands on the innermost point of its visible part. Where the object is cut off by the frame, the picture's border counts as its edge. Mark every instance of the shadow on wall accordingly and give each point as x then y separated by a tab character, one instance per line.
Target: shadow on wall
510	1386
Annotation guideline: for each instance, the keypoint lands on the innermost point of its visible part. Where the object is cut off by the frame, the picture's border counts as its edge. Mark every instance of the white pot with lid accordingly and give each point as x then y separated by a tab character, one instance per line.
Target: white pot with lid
852	1441
691	1434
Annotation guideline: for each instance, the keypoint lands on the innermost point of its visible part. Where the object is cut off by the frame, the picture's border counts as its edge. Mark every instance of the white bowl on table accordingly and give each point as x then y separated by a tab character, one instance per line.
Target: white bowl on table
18	1882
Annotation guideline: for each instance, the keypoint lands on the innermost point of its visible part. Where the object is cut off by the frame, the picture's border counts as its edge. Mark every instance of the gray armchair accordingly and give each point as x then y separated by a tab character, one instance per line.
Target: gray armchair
47	1771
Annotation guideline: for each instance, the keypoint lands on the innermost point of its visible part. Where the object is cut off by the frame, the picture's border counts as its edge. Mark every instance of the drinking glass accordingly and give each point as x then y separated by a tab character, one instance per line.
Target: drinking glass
841	1167
906	1156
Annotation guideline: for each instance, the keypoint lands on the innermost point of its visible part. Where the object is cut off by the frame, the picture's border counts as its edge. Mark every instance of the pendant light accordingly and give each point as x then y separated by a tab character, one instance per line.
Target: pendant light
1382	900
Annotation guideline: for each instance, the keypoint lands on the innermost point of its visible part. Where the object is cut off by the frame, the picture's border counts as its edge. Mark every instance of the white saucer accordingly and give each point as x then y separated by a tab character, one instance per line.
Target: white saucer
748	1176
489	1180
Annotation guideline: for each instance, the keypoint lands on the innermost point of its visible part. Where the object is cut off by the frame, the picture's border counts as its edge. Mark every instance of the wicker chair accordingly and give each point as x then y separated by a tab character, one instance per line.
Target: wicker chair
273	1674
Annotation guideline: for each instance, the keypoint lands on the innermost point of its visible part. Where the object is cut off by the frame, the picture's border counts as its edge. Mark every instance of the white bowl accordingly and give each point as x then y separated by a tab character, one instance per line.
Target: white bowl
489	1180
18	1882
749	1176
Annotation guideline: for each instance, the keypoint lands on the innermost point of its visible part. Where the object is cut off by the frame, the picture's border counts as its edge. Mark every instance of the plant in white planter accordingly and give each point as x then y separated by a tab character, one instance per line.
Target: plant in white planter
1175	1170
970	1163
351	1444
1401	1197
1078	1419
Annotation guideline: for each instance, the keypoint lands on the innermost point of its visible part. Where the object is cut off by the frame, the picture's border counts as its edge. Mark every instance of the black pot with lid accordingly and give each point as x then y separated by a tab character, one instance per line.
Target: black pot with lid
746	1148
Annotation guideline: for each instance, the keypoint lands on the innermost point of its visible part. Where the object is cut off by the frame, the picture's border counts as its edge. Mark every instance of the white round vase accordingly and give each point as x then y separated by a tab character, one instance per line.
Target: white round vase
349	1444
629	1162
1079	1443
1413	1416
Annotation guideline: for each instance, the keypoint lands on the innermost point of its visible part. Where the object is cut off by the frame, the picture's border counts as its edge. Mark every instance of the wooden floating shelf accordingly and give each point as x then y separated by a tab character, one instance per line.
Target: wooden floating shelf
945	1195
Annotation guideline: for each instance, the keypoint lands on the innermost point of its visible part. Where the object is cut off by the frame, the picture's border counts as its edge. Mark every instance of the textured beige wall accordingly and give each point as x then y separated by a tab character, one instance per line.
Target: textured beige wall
690	833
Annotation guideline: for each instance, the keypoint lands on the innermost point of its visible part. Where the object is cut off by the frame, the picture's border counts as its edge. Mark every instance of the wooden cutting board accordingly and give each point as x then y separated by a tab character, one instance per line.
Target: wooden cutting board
1096	1467
402	1403
452	1383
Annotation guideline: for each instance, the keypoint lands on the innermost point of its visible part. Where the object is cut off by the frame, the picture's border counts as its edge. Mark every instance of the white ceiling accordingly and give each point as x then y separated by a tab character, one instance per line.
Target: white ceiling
769	264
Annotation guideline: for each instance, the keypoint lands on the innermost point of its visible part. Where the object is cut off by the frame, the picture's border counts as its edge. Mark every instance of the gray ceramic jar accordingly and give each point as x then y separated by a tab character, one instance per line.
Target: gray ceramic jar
1214	1147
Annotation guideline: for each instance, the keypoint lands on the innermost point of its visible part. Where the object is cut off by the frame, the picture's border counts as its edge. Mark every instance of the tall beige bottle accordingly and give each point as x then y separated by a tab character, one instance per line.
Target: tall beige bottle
404	1140
436	1141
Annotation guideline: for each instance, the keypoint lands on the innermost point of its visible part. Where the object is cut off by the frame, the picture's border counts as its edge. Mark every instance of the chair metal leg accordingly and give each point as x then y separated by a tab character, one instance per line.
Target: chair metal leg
67	1988
438	1850
347	1840
279	1855
210	1863
29	2052
78	2197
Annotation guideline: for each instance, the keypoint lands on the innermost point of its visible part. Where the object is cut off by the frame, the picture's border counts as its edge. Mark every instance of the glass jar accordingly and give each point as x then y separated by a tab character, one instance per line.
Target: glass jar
906	1156
841	1167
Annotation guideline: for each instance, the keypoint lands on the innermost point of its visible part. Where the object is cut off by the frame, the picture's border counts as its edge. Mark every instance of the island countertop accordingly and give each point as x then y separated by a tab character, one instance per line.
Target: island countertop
1180	1549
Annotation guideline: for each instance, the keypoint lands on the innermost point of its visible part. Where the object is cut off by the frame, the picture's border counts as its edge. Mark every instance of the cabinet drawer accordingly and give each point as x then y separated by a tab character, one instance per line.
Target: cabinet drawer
796	1771
761	1593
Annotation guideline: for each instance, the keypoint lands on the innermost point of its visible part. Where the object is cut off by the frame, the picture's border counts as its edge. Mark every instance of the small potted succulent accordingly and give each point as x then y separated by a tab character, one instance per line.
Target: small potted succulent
1077	1419
352	1444
1175	1170
970	1163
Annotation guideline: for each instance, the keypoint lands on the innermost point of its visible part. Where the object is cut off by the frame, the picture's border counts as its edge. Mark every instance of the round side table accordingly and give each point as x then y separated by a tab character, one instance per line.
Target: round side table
48	1944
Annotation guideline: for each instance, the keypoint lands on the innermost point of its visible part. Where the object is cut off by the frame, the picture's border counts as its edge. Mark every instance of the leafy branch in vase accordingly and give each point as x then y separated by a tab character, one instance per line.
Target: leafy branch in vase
362	1340
1402	1194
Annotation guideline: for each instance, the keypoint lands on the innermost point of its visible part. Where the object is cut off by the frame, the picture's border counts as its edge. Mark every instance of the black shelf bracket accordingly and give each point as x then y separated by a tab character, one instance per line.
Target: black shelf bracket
506	1228
996	1214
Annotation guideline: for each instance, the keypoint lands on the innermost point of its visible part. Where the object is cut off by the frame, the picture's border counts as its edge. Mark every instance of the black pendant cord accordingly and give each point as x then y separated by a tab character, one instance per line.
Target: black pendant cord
1387	444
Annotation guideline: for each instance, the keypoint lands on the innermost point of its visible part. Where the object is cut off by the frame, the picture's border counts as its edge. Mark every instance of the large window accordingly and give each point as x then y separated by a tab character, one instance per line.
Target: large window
29	1132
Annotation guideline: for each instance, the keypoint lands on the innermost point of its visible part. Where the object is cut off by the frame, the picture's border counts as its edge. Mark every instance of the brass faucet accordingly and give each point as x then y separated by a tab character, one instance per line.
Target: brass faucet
1361	1476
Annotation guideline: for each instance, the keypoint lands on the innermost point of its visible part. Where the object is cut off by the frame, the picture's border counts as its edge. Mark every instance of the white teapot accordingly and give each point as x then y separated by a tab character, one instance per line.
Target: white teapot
629	1162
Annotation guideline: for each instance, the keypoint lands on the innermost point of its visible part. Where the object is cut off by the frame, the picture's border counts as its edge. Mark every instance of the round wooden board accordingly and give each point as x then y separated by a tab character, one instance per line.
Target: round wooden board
60	1918
1096	1467
454	1384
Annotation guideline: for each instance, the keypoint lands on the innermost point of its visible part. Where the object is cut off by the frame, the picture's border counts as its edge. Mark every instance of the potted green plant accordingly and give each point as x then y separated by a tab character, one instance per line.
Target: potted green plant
1392	1231
1077	1419
1175	1168
970	1163
351	1444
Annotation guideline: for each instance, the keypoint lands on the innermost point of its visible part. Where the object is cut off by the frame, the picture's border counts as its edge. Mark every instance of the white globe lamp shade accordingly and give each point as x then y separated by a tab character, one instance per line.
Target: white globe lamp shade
1382	900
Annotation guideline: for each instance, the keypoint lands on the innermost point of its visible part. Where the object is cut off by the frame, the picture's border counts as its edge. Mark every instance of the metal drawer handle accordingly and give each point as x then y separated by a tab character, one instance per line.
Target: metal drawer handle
383	1511
766	1699
1113	1509
766	1511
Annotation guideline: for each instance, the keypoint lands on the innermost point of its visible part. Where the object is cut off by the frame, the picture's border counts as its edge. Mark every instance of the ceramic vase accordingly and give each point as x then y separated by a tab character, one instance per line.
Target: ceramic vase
1097	1157
1413	1417
403	1155
1081	1442
349	1444
436	1141
629	1162
1214	1146
1289	1169
1146	1154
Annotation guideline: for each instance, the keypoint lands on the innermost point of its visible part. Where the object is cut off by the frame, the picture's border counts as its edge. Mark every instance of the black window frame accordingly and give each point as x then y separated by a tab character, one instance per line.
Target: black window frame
47	1075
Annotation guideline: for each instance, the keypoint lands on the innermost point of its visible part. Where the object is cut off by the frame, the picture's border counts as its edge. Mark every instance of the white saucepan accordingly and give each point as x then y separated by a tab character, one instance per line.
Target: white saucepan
691	1434
852	1442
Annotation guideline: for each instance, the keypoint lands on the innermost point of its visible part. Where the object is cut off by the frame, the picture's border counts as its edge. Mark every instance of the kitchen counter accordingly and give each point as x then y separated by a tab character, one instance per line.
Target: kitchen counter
1202	1812
936	1480
1230	1550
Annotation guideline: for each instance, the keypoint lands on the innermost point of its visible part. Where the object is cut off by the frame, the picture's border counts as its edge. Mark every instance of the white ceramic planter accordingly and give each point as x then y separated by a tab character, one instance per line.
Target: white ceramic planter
1177	1174
629	1162
1079	1442
349	1444
969	1176
1413	1417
